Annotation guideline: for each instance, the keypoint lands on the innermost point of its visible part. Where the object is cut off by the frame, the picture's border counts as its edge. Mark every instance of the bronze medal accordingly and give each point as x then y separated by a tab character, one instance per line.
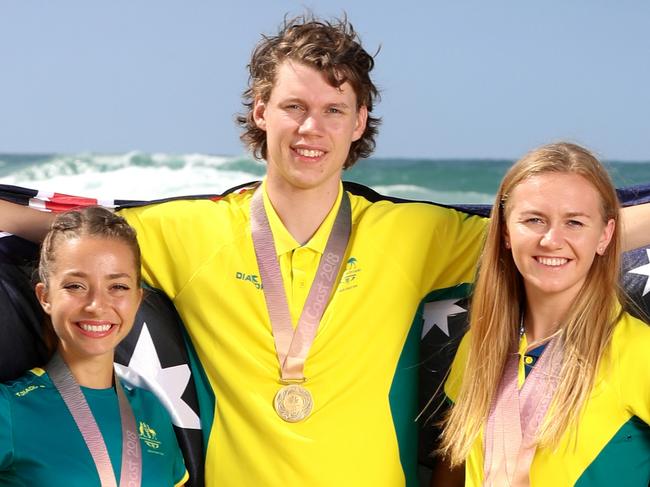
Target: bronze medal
293	403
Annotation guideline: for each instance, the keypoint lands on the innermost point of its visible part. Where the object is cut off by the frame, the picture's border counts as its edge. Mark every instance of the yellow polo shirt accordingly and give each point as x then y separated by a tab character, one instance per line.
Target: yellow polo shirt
611	444
362	366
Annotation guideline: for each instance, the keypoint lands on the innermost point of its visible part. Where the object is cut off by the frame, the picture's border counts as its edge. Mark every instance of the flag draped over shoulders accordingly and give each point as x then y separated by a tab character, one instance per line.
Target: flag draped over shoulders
158	355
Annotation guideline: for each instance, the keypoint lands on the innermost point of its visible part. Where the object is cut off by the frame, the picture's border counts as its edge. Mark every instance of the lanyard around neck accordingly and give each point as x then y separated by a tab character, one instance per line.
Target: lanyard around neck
292	347
515	416
74	399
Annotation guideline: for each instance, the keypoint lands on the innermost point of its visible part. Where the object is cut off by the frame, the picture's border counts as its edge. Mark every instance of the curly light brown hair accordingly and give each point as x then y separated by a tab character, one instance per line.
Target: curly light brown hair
333	48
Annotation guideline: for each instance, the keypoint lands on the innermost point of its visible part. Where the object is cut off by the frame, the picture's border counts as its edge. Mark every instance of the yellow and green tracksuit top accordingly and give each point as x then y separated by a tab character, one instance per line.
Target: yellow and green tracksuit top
610	446
362	366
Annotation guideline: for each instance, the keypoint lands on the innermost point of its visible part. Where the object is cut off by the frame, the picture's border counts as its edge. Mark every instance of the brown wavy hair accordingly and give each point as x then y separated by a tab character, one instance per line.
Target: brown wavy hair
333	48
499	300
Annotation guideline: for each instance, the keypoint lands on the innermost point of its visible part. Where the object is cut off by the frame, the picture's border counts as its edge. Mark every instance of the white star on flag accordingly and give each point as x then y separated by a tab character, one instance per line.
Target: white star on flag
168	384
643	270
436	313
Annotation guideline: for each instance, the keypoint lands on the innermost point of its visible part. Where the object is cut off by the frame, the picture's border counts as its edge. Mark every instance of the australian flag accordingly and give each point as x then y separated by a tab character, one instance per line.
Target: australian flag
158	355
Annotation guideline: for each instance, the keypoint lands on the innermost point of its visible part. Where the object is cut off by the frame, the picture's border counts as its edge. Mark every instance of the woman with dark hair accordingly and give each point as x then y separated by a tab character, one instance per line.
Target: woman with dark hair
73	423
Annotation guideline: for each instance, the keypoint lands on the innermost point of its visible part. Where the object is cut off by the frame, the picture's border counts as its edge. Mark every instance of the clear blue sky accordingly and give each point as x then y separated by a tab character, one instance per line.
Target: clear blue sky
485	79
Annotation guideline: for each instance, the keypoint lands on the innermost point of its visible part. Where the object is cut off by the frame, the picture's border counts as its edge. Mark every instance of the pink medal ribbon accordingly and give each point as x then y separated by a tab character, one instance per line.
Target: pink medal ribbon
74	399
515	415
293	403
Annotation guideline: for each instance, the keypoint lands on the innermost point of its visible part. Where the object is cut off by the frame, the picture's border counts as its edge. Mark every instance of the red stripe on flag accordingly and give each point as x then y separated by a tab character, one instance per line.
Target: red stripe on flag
63	202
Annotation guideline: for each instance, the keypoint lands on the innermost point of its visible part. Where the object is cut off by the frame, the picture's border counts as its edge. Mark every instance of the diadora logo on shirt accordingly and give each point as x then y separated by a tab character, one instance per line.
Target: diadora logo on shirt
149	436
350	278
28	389
252	278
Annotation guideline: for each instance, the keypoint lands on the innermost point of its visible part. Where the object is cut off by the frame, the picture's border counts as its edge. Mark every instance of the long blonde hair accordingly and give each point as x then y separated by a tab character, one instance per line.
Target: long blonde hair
498	303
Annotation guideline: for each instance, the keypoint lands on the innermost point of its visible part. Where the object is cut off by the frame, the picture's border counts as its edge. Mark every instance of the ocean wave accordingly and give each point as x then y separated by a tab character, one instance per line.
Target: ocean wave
80	163
140	175
134	175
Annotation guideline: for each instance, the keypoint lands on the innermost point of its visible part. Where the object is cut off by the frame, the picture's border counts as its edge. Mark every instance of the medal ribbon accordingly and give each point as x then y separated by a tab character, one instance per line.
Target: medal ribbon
514	419
292	346
74	399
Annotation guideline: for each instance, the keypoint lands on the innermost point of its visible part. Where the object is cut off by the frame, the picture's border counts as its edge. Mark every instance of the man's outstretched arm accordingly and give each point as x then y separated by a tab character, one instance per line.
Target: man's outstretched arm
33	224
24	221
635	226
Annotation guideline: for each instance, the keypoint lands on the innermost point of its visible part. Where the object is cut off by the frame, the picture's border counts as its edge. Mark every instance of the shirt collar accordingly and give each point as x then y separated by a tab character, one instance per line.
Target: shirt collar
284	241
534	349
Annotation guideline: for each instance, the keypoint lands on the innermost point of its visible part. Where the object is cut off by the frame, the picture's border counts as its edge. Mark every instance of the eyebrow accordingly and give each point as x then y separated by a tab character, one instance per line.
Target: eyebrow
577	213
571	214
339	105
117	275
296	99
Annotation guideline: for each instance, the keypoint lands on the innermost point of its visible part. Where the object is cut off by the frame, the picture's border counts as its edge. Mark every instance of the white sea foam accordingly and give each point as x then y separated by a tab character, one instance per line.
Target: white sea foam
143	176
131	176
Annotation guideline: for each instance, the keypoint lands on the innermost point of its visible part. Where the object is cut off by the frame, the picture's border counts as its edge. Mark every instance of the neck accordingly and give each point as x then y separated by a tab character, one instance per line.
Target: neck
543	317
302	210
93	372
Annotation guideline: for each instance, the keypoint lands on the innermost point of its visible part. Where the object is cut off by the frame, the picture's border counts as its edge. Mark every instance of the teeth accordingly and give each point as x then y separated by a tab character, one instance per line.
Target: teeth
310	152
94	328
552	261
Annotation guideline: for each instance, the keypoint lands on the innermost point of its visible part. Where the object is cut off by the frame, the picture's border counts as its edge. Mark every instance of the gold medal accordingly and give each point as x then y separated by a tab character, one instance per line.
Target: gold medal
293	403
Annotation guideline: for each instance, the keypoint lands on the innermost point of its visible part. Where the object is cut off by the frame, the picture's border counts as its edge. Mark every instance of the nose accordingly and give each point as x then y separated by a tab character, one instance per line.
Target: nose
311	124
96	301
552	238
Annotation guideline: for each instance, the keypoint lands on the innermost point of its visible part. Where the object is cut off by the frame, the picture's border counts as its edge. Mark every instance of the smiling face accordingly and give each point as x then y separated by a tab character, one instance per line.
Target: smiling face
92	295
555	229
309	127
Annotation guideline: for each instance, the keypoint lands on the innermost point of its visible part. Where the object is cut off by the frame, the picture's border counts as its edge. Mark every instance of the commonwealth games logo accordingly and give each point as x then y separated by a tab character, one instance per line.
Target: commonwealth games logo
350	278
148	435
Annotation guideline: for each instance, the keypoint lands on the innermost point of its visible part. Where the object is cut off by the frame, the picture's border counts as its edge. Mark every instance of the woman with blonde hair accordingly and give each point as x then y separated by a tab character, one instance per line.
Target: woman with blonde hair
551	385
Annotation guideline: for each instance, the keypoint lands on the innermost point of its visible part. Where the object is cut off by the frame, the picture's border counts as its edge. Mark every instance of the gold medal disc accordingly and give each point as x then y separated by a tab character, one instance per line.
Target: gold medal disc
293	403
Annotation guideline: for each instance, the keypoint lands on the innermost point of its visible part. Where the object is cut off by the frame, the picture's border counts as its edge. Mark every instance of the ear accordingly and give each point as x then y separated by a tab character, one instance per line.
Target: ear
42	296
360	123
506	237
606	237
259	108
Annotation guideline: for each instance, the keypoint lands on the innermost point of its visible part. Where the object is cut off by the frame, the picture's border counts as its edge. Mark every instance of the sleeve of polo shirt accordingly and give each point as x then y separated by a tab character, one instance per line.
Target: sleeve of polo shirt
179	472
634	369
6	431
181	475
454	248
455	378
173	241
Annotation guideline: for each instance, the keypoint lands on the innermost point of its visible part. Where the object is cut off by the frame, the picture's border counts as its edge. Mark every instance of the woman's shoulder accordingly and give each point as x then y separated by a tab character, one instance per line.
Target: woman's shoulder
31	380
632	332
631	342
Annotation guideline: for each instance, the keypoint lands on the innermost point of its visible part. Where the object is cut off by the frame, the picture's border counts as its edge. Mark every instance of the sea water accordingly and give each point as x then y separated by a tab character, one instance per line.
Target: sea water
143	176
